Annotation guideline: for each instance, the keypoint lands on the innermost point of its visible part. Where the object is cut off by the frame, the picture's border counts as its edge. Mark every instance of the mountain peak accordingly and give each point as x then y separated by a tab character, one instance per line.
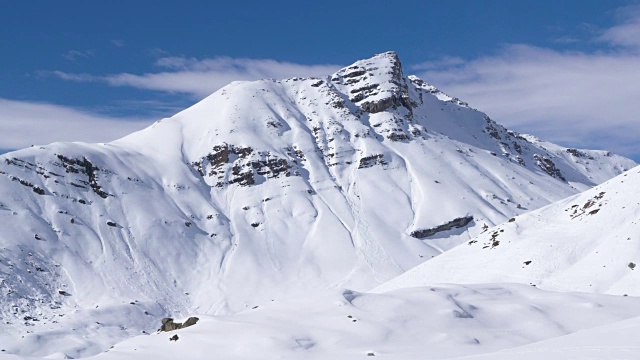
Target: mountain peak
386	56
374	84
387	60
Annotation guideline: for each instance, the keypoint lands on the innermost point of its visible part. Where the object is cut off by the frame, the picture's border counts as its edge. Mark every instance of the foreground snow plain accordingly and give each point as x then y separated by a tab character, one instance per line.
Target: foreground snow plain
435	322
617	341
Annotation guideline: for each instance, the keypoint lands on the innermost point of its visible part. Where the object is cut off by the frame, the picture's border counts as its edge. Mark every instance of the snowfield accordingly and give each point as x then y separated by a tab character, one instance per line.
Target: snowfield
587	243
617	341
435	322
271	208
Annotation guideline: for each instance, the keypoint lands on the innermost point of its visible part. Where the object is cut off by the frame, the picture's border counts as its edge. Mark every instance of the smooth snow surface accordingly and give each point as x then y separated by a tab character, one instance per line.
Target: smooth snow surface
272	189
617	341
438	322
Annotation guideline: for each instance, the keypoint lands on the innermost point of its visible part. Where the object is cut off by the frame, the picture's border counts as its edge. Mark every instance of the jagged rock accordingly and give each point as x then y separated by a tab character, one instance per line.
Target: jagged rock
579	154
169	325
372	160
384	104
244	168
394	136
455	223
377	85
190	321
548	167
83	166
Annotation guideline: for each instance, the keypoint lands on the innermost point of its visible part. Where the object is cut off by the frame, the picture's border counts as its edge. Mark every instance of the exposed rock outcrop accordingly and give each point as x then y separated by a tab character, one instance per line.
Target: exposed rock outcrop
372	160
230	164
455	223
169	325
548	166
84	166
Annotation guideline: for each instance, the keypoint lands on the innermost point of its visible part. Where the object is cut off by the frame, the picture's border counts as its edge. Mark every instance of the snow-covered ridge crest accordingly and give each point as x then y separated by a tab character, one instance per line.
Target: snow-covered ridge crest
587	243
265	189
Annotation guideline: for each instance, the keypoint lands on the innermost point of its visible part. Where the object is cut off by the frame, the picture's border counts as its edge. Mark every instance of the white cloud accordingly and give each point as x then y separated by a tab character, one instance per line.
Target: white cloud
73	55
566	40
70	77
446	61
200	78
24	123
118	43
582	99
627	33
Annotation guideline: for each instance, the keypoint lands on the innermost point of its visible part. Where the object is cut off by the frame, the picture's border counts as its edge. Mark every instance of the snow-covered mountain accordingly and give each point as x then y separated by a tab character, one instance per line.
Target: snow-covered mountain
265	189
588	243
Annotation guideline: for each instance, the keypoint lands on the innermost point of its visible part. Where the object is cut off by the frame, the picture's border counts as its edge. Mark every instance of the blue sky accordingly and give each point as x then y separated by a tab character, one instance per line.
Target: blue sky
566	71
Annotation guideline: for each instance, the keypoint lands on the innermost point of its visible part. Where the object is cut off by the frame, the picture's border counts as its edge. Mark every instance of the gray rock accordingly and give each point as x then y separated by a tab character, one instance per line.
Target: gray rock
453	224
190	321
169	325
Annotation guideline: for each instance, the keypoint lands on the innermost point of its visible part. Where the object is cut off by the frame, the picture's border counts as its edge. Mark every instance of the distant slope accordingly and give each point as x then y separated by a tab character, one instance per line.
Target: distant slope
267	188
589	242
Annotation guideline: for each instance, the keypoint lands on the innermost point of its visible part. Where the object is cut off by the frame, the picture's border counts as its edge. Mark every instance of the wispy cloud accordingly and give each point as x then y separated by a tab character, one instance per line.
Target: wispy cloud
201	77
627	33
70	76
584	99
118	43
566	40
577	98
30	123
443	62
73	55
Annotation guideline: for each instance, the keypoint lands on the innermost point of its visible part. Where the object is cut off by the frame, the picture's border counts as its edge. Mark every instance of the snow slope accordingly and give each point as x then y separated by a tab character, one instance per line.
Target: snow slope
263	189
588	242
438	322
617	341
